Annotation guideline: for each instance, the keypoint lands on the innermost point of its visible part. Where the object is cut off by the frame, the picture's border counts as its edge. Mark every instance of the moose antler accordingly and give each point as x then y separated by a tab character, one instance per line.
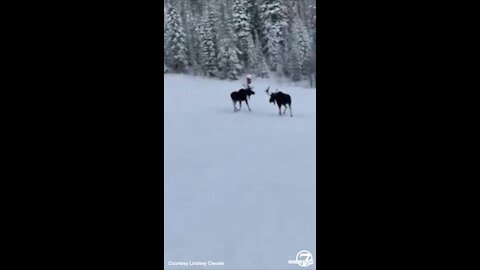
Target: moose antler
266	91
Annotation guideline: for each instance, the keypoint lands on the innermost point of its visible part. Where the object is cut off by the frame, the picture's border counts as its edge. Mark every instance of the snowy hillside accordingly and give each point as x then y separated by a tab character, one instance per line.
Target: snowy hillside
239	187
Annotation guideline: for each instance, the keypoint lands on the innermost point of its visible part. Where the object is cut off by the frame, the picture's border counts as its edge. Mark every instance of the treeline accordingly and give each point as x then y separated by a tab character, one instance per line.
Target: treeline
228	38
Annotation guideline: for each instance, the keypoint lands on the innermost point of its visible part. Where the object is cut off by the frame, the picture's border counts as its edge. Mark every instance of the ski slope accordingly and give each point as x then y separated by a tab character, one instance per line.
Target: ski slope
239	187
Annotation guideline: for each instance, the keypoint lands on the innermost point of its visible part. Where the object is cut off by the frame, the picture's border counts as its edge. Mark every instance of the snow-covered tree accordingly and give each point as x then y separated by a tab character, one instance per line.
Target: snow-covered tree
261	68
274	21
304	46
175	46
251	57
300	50
228	38
193	37
241	28
228	63
208	43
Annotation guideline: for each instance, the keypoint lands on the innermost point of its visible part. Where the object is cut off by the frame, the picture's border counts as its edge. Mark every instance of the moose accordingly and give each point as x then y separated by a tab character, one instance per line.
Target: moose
281	99
241	95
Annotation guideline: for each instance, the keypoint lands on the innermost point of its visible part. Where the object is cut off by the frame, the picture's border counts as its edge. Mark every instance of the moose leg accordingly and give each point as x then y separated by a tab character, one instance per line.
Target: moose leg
247	105
279	109
240	104
234	107
285	109
290	107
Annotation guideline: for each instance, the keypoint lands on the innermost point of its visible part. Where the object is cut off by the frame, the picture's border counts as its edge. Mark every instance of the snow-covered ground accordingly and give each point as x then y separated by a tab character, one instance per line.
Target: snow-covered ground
239	187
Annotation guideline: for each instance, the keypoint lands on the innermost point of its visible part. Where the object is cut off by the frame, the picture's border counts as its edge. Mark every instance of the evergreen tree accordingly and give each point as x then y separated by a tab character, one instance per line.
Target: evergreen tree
261	68
274	21
302	46
191	22
228	62
226	38
208	43
251	63
175	46
241	28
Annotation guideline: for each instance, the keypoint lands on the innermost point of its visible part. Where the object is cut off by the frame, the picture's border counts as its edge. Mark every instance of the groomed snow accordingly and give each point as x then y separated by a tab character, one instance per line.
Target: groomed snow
239	187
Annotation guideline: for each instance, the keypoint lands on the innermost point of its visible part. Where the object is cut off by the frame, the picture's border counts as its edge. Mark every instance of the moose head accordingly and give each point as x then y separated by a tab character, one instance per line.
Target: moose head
272	95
